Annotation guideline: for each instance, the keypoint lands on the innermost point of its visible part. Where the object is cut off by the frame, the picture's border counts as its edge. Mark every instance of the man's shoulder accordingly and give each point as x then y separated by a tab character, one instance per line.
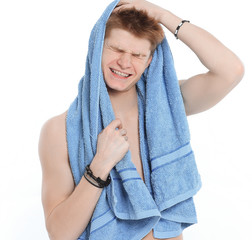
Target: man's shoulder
56	121
55	124
53	133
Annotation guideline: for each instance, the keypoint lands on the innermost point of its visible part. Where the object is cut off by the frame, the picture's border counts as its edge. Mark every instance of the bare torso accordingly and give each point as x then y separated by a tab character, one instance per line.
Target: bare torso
131	125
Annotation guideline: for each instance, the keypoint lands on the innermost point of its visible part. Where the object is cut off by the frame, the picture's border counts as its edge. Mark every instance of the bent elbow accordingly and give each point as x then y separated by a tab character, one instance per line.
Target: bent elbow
52	231
238	72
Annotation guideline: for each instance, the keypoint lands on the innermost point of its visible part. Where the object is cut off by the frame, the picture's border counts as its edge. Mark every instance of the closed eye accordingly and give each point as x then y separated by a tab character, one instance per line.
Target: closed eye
136	55
139	56
118	50
115	49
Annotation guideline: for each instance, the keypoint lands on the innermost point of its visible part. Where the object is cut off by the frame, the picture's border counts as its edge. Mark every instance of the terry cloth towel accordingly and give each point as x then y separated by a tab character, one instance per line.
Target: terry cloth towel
129	208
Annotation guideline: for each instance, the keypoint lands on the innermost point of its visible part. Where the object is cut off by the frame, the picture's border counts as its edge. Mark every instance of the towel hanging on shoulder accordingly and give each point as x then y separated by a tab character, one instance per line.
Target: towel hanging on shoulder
129	208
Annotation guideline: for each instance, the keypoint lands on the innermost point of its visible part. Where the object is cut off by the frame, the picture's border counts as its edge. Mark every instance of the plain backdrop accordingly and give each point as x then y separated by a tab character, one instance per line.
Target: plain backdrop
43	46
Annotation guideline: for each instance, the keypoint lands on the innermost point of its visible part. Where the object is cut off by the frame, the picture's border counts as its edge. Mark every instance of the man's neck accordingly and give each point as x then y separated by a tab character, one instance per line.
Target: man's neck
124	103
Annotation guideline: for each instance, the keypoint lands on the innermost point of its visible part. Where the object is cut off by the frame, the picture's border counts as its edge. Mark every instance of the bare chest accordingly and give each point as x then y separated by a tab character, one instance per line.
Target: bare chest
134	142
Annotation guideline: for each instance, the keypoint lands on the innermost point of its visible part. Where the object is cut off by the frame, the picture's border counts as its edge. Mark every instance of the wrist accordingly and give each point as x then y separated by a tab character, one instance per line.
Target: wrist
99	169
96	181
169	20
159	13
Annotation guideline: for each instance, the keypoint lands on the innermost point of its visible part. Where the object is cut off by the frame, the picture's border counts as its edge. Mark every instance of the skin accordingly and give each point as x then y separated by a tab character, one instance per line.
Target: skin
127	54
68	208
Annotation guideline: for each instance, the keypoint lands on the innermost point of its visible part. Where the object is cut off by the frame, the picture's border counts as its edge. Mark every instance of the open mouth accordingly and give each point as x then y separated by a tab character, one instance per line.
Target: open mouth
120	74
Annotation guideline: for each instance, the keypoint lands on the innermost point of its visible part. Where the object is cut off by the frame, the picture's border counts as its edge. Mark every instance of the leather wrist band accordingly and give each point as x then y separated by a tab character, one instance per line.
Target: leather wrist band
85	176
178	27
100	182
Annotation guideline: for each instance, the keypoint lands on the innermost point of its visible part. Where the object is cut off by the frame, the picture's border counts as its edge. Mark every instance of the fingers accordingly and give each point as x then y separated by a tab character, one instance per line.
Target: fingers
117	123
117	8
123	132
122	4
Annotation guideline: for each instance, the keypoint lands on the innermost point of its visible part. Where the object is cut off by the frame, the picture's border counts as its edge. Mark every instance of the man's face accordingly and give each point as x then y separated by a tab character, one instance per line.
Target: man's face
124	59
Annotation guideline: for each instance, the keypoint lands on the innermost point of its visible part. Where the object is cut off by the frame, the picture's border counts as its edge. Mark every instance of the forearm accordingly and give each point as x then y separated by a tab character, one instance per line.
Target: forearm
211	52
71	217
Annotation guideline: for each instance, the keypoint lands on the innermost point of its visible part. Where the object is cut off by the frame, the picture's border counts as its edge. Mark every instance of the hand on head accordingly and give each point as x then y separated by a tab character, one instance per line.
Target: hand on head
152	9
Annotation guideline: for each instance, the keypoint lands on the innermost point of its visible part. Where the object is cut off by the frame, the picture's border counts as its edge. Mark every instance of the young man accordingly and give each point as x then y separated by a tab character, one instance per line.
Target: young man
69	208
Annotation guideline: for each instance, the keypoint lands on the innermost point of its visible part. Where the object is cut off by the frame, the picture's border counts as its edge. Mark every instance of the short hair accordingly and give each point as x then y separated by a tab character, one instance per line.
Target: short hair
137	22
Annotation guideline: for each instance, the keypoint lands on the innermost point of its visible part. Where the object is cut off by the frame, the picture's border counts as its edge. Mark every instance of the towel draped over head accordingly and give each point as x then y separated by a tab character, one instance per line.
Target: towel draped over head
129	208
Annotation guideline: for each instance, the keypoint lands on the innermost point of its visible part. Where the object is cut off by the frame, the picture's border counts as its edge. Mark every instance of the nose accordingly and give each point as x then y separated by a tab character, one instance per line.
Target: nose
125	60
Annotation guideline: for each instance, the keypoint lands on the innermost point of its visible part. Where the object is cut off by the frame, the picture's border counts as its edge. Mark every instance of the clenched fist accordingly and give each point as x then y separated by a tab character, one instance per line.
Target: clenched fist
112	145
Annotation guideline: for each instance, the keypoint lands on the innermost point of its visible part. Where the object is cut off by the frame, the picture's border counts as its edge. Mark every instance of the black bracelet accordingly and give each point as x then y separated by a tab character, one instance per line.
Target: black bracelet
178	27
100	182
90	181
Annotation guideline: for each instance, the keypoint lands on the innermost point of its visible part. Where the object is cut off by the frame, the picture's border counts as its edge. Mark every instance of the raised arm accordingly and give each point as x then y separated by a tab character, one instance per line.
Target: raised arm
204	90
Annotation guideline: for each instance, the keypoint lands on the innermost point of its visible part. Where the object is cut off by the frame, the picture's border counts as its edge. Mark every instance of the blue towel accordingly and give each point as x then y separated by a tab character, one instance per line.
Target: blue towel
129	208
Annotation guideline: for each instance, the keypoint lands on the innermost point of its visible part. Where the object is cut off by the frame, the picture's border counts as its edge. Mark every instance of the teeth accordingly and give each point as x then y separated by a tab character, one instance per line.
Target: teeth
120	73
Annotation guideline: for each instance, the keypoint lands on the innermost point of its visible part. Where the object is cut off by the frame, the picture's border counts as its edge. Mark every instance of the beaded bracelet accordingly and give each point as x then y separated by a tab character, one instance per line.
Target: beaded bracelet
178	27
100	182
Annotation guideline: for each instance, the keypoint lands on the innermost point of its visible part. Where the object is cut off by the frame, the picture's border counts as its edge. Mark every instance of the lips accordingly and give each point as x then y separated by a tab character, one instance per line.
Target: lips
120	74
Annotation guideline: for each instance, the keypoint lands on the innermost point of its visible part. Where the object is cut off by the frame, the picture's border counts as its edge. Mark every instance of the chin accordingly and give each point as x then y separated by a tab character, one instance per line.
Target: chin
117	87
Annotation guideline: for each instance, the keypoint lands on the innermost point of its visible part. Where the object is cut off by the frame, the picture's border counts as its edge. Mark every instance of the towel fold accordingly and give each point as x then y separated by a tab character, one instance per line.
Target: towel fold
129	208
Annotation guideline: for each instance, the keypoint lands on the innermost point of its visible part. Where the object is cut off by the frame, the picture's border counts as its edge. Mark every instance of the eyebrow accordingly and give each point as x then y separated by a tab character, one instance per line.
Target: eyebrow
115	48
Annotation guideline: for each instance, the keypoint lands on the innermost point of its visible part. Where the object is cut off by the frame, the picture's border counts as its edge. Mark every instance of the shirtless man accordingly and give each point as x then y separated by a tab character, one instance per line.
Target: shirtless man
68	208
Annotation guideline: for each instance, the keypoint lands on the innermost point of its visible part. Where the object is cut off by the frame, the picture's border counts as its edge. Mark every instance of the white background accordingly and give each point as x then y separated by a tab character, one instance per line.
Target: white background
43	47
